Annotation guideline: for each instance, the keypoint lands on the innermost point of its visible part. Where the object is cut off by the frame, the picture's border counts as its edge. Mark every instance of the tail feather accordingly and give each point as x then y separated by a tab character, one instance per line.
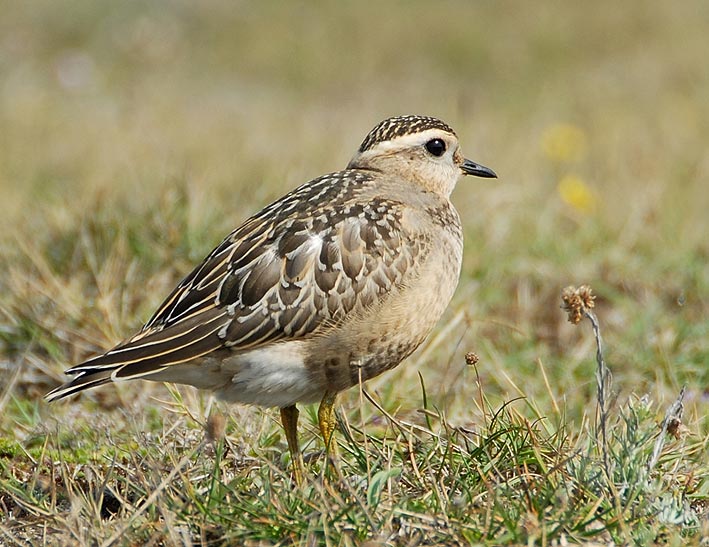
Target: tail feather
81	382
146	356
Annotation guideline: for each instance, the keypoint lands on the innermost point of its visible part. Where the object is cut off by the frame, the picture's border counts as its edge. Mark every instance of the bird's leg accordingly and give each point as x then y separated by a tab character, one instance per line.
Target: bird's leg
327	421
289	419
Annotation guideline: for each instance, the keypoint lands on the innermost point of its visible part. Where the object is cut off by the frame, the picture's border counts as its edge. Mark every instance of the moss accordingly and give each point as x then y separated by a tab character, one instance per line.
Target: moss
9	449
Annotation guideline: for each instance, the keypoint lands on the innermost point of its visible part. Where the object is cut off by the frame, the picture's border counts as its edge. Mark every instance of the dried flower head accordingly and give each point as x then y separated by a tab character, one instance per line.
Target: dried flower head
215	427
471	358
675	427
577	301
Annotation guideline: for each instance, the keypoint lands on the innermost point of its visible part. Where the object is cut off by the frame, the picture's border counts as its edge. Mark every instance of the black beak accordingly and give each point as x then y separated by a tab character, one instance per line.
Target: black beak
471	168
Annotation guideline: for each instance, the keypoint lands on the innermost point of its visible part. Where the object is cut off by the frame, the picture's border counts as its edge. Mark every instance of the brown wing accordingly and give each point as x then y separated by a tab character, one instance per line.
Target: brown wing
303	263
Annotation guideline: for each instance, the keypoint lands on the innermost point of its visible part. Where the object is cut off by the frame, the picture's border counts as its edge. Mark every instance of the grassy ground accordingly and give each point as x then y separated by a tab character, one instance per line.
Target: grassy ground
134	137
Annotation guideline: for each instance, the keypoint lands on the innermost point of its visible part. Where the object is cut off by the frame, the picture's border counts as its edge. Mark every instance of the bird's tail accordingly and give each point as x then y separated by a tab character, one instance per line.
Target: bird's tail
147	355
83	380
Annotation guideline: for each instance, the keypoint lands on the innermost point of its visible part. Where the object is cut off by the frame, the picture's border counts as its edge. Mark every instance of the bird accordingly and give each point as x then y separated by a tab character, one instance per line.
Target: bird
334	283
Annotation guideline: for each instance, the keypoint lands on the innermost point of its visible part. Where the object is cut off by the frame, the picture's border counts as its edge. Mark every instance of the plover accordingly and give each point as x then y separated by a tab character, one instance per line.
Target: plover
332	284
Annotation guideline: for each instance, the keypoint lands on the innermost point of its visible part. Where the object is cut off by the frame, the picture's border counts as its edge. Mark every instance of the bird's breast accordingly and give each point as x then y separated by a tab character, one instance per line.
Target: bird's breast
383	335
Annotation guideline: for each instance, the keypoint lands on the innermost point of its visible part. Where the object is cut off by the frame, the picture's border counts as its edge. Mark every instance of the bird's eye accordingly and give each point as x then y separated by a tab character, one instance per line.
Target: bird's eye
436	147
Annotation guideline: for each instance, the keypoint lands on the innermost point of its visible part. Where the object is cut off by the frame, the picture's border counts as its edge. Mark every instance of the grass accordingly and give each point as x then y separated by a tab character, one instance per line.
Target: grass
135	137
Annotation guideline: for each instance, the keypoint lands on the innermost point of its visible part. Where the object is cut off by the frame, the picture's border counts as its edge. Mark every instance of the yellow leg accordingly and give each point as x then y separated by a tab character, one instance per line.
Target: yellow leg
327	421
289	419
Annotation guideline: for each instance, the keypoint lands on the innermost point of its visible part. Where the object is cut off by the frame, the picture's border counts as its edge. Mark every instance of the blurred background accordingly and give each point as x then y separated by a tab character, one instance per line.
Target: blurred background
134	136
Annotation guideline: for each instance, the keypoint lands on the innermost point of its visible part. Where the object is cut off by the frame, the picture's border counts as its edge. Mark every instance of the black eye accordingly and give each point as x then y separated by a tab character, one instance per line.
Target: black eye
436	147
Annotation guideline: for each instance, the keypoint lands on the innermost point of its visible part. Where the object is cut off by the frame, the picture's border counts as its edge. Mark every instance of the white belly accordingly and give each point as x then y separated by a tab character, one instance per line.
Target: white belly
270	376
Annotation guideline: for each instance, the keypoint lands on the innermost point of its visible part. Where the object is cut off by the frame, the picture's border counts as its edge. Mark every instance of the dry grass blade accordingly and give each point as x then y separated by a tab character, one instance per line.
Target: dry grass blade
152	497
671	424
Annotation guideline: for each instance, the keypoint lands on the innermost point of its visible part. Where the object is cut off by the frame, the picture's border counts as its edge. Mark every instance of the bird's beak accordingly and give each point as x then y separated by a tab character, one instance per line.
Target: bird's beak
471	168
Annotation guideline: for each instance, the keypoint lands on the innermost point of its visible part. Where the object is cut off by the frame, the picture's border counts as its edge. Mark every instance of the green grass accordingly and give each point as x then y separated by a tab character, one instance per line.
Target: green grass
135	137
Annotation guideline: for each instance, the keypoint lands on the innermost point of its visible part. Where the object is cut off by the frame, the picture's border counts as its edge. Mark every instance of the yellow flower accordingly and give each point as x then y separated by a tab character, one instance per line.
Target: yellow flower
564	142
576	193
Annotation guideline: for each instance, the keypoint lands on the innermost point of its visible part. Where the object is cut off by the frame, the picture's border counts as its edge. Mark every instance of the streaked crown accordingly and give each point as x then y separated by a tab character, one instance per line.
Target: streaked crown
399	126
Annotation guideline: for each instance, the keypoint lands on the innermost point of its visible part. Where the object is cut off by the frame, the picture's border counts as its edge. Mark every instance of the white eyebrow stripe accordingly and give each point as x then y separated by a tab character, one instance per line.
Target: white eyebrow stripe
412	139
